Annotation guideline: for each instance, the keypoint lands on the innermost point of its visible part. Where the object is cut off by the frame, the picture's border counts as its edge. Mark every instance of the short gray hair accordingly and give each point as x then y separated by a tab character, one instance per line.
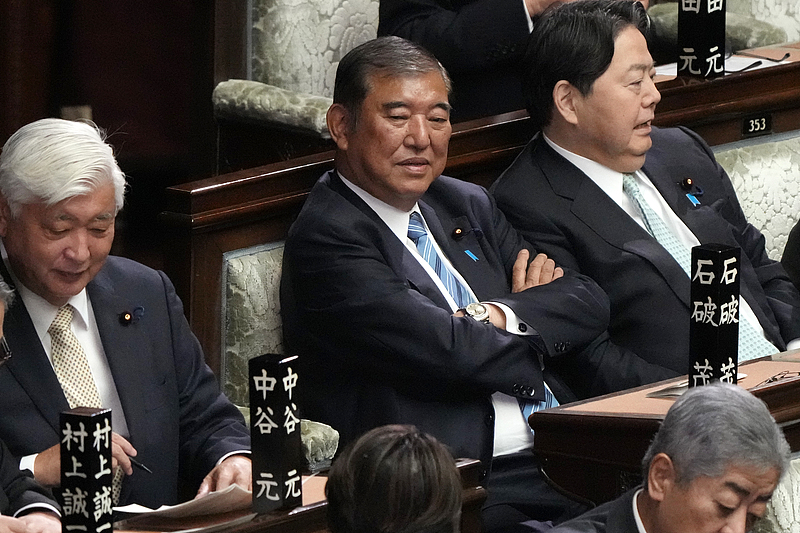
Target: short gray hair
52	159
716	426
388	56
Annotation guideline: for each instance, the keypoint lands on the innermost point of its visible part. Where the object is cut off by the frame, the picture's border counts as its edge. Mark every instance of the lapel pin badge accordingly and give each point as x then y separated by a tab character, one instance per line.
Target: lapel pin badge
471	255
127	317
692	190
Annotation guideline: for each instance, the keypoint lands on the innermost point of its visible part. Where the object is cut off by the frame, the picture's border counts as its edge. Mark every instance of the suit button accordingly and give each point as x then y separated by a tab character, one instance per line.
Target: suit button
515	388
523	327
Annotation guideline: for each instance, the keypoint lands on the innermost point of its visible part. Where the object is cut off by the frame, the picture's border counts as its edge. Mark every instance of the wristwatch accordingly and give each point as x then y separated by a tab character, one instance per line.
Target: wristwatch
478	311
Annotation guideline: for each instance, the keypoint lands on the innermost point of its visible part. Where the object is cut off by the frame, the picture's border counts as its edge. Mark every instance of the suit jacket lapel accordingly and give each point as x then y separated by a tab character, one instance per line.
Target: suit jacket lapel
478	272
121	344
29	364
398	256
704	221
608	220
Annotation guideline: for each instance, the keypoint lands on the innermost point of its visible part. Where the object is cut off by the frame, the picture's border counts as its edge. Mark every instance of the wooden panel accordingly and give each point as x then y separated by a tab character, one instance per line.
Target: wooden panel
594	448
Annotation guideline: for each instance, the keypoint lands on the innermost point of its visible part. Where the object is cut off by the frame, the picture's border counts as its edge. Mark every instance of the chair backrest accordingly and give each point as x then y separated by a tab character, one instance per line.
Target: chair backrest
765	172
784	14
251	313
297	44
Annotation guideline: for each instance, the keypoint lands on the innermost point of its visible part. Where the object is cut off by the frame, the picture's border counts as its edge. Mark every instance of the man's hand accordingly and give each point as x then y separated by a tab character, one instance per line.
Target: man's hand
41	523
235	469
31	523
47	466
540	272
120	450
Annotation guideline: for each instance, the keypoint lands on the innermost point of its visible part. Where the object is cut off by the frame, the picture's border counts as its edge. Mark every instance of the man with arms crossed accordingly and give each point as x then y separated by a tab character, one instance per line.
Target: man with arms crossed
383	256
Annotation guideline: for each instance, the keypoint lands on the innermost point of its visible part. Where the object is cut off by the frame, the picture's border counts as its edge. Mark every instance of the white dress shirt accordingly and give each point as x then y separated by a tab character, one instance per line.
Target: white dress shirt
511	430
610	181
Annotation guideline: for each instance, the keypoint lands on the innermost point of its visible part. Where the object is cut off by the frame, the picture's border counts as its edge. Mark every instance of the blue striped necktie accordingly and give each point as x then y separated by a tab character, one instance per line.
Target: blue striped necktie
751	343
419	236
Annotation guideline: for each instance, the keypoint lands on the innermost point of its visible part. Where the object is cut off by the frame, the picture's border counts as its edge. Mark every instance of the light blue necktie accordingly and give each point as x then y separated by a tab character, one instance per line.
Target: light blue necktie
751	343
419	235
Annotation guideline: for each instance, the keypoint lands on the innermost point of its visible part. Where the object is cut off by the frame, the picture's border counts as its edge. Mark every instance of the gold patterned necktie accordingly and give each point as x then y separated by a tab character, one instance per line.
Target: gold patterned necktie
70	363
73	372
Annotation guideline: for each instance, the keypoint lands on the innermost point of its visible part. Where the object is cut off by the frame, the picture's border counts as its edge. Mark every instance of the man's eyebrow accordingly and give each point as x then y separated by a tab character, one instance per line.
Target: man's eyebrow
642	66
743	492
444	105
388	106
738	489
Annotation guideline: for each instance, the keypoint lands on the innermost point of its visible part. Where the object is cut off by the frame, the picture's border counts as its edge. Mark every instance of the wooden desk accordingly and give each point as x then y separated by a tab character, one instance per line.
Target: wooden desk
312	517
594	448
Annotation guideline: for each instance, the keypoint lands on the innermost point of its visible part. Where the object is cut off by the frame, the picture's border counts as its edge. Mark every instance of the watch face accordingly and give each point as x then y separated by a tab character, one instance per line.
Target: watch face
477	311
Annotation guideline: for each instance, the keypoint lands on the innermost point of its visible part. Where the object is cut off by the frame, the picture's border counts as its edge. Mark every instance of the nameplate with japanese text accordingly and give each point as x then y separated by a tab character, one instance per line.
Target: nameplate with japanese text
714	323
701	38
277	454
86	473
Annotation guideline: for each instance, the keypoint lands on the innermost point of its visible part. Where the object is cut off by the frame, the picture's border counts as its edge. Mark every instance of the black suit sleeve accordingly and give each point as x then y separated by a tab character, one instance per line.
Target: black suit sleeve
18	489
791	255
210	425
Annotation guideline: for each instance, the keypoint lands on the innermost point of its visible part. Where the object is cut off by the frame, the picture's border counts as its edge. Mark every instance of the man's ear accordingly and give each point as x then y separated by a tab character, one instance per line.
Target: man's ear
661	477
564	99
338	120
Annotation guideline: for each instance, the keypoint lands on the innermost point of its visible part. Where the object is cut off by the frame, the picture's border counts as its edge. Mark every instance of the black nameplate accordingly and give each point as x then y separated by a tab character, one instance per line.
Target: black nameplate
86	473
701	38
277	455
756	125
714	326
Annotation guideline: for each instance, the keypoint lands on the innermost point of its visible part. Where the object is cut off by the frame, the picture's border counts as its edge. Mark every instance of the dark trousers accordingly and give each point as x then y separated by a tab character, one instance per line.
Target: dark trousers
520	500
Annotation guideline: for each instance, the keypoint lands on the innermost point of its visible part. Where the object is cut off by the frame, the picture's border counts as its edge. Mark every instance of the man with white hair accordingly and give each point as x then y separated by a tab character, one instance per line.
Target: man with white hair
101	331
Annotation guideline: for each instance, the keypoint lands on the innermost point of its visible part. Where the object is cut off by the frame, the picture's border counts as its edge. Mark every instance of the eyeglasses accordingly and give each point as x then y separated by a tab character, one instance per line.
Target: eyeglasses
5	351
786	374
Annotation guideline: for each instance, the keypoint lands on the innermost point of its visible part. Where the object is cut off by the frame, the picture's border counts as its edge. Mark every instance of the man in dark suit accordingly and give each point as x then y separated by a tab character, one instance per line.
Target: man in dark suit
590	88
60	191
712	466
383	327
24	504
480	42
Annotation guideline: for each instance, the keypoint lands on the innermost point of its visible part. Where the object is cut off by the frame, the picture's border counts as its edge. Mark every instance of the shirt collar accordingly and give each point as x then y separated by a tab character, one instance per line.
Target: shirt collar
396	219
636	516
40	310
610	181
